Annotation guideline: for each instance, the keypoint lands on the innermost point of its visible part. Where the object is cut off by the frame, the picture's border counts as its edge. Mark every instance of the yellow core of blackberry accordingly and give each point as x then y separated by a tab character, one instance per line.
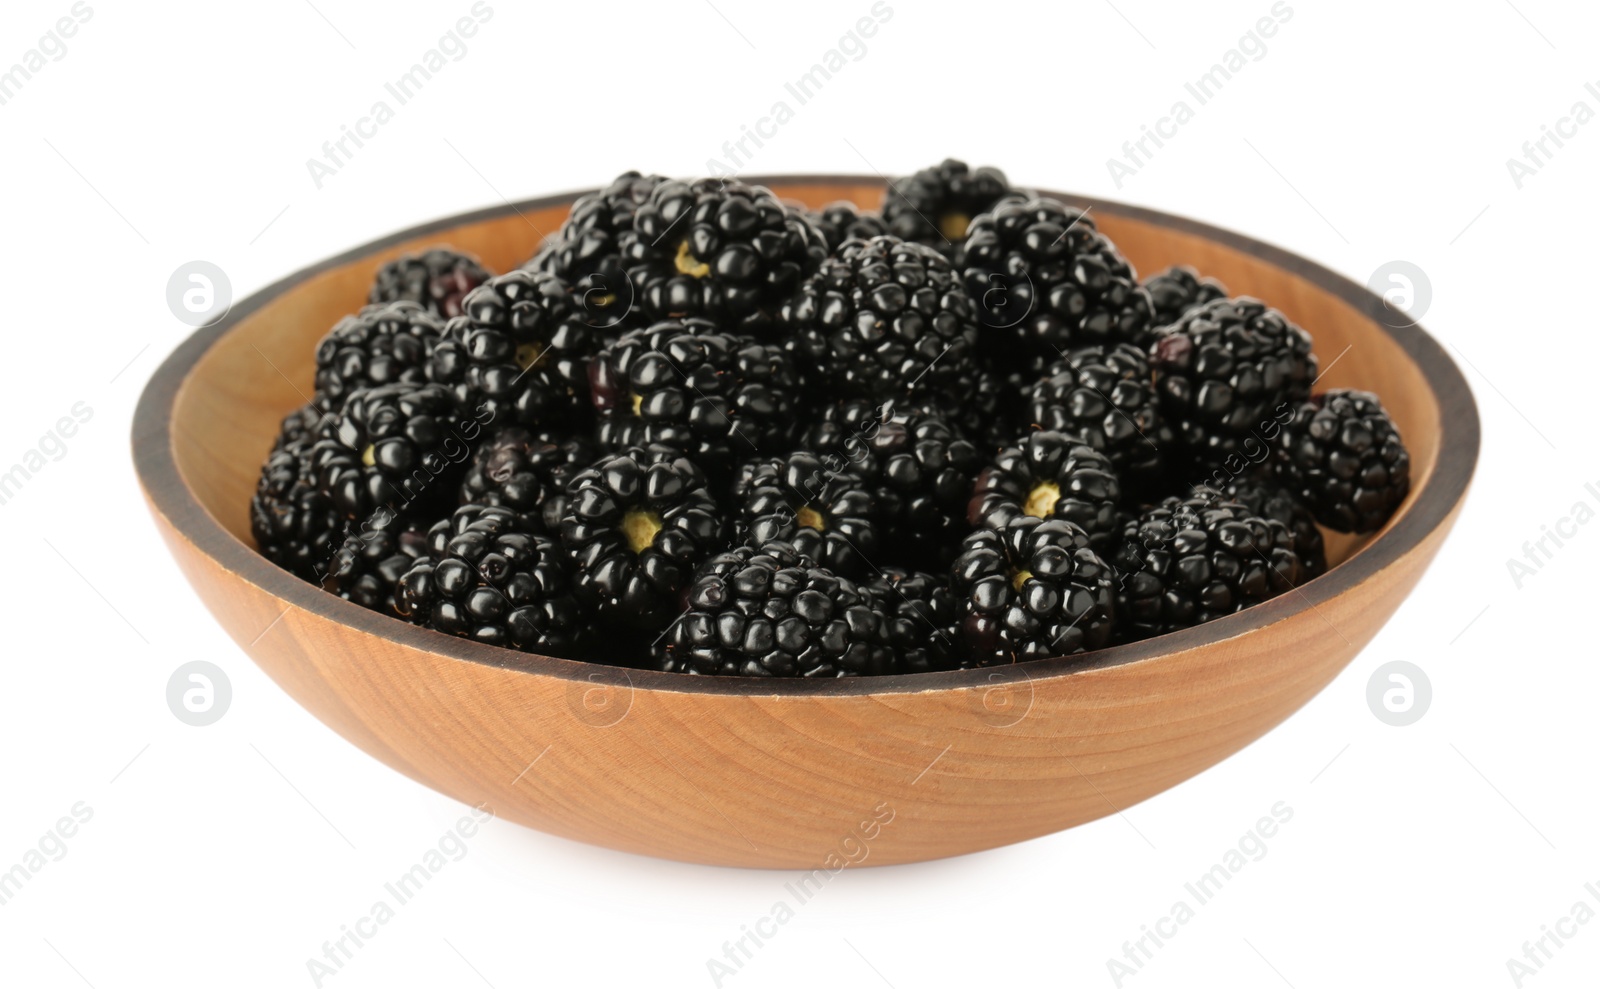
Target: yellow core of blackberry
690	265
639	528
369	455
1042	500
1019	578
810	518
605	300
638	403
528	355
954	225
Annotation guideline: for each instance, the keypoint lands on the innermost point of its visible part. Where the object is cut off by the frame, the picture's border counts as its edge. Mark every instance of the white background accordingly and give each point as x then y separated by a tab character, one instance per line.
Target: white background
1369	131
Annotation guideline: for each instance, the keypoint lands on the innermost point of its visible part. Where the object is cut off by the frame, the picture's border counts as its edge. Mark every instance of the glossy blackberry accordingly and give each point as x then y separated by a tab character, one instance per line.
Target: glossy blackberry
884	318
1343	458
437	279
1262	495
1229	374
369	563
637	525
1104	397
527	472
843	221
921	616
1050	475
718	397
916	465
520	351
587	251
487	578
1191	560
719	249
1179	289
997	412
1042	273
824	511
394	452
1032	589
383	344
772	612
936	205
294	523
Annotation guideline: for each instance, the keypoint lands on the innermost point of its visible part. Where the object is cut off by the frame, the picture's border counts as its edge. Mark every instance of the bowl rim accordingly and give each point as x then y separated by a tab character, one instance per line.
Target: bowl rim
1431	504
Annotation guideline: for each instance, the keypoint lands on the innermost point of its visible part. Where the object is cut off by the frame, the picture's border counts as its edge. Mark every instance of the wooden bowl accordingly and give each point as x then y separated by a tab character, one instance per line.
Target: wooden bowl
791	773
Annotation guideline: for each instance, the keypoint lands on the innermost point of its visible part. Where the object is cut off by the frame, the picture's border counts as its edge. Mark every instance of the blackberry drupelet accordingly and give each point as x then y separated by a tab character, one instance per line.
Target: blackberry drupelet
843	221
936	205
1177	290
637	525
1049	475
1343	458
1191	560
772	612
1229	374
718	249
1032	589
294	523
527	472
520	351
437	279
718	397
825	512
587	251
369	563
487	578
885	318
1104	397
383	344
921	615
1261	494
998	409
1040	271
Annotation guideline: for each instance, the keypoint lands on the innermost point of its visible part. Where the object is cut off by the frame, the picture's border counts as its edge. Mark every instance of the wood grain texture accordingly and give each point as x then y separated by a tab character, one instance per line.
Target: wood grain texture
758	773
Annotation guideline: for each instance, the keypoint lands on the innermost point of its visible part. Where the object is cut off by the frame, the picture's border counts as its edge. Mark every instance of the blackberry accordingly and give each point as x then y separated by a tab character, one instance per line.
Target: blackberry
998	407
1191	560
1032	589
520	351
294	523
637	524
487	578
1228	375
920	616
1342	456
368	565
884	318
718	249
437	279
1050	475
1179	289
772	612
383	344
918	467
825	513
843	221
716	396
1261	495
526	472
1040	271
936	205
1104	397
587	251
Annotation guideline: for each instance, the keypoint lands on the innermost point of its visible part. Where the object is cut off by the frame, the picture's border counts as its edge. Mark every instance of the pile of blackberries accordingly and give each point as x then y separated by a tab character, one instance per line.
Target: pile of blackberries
708	431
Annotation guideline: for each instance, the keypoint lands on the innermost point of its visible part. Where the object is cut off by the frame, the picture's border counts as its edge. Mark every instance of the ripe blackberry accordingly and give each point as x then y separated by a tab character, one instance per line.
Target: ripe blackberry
825	513
718	249
1191	560
294	523
998	408
843	221
1039	270
885	318
526	472
485	577
369	563
1032	589
1104	397
587	251
520	350
1342	456
437	279
383	344
918	467
1179	289
772	612
637	525
920	616
1050	475
936	205
1261	494
716	396
1228	375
